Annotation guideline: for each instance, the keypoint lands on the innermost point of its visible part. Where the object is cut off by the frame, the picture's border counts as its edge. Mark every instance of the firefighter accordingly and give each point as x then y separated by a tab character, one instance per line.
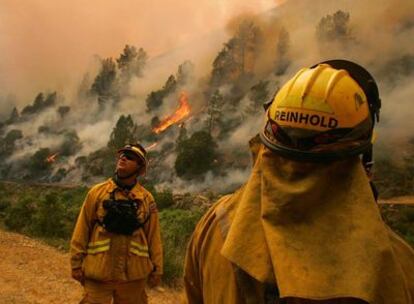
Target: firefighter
116	246
305	227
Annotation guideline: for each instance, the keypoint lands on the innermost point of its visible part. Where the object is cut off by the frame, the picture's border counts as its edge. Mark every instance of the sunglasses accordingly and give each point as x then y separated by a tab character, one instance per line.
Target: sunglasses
129	156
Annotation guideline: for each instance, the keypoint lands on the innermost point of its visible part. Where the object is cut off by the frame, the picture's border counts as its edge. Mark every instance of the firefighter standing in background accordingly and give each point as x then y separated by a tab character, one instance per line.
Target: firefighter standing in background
305	228
116	245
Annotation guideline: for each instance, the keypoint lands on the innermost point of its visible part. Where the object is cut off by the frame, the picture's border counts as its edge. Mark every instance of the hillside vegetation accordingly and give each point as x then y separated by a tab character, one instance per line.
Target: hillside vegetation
49	212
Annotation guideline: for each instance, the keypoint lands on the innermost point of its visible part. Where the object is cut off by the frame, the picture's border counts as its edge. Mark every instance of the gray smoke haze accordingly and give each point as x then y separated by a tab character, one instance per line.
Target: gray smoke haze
380	36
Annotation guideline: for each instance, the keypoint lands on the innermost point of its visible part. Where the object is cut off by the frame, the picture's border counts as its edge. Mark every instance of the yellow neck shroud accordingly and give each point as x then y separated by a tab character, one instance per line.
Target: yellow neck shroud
316	230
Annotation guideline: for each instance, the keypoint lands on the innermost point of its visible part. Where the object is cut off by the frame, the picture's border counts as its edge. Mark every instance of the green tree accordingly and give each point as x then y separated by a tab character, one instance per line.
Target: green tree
40	103
170	85
132	62
99	163
50	100
182	135
195	155
19	215
214	108
105	83
37	103
334	28
49	216
237	58
63	111
155	99
123	133
14	116
38	161
185	72
7	144
71	143
282	49
258	95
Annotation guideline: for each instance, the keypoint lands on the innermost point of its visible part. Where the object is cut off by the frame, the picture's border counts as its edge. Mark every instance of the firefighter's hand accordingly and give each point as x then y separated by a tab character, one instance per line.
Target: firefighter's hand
154	280
78	275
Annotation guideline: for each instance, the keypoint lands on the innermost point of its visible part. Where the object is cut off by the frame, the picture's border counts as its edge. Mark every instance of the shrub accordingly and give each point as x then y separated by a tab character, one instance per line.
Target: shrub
19	216
4	206
195	155
176	228
164	199
49	216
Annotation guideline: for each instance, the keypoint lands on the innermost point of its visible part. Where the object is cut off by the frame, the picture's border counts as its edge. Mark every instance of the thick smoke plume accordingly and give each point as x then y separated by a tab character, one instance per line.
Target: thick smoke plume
266	49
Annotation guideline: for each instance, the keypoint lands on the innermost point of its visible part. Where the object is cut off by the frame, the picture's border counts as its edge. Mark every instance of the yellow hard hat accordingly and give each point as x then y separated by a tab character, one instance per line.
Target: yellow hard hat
324	112
139	151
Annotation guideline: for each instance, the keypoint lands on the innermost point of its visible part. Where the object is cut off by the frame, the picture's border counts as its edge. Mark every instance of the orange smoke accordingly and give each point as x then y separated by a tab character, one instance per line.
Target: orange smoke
182	112
51	158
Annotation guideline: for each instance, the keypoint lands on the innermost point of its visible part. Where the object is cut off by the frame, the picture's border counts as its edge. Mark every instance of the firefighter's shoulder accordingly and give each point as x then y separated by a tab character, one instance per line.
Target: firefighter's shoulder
217	217
148	198
100	188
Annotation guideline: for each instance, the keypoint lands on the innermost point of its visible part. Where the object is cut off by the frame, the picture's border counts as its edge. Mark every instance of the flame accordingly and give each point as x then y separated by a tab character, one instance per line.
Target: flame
182	112
51	158
151	146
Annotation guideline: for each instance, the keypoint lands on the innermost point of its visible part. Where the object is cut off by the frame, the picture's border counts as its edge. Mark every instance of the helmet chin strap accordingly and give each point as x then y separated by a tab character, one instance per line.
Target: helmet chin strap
119	180
127	176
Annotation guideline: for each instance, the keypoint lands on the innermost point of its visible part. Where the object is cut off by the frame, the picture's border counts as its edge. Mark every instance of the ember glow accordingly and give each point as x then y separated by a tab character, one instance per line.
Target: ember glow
51	158
182	112
152	146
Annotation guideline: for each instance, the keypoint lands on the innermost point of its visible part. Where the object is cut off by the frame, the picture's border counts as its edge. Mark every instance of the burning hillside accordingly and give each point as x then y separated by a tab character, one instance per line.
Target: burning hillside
178	116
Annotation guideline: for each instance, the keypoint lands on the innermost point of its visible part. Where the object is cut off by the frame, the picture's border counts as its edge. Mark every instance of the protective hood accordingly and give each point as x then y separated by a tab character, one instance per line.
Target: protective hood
316	230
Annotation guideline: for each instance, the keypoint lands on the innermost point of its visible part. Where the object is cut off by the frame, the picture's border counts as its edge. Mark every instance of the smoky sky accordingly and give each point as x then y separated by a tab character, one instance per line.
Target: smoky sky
47	44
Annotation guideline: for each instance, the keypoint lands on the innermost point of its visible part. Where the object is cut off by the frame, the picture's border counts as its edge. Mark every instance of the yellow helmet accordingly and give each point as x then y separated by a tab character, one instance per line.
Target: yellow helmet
324	112
138	150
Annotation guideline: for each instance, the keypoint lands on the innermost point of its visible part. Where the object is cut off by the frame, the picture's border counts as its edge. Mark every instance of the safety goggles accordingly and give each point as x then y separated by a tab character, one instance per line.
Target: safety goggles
129	156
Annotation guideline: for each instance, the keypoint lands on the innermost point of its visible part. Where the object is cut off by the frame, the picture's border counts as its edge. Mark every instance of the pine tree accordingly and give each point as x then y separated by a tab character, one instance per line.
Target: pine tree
123	133
182	136
334	28
237	58
7	144
282	48
155	98
185	72
14	116
195	155
63	111
131	62
105	83
258	95
215	106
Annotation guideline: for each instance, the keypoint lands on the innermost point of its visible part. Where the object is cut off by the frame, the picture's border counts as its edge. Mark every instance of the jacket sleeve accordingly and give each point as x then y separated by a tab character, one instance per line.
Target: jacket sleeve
192	277
153	234
81	233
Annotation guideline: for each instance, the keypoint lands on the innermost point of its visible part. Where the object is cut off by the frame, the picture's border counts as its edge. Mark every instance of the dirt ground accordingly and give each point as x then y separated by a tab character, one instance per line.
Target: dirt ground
401	200
32	272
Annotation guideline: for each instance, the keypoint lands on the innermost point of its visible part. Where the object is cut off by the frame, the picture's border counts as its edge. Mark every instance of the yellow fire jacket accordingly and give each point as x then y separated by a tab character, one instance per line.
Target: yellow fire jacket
106	256
210	278
303	232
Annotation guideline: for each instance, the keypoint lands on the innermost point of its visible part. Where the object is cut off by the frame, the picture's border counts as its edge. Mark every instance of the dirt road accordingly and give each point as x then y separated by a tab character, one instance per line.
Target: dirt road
401	200
32	272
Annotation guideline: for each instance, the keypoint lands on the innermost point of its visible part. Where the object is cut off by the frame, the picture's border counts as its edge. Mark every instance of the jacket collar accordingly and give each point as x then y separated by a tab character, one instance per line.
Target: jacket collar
137	192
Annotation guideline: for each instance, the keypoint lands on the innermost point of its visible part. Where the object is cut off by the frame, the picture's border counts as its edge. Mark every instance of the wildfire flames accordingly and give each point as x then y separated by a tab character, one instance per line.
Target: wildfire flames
182	112
51	158
151	146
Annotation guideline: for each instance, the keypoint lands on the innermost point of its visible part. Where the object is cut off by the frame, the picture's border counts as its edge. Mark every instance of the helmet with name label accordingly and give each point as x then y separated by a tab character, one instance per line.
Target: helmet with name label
324	112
